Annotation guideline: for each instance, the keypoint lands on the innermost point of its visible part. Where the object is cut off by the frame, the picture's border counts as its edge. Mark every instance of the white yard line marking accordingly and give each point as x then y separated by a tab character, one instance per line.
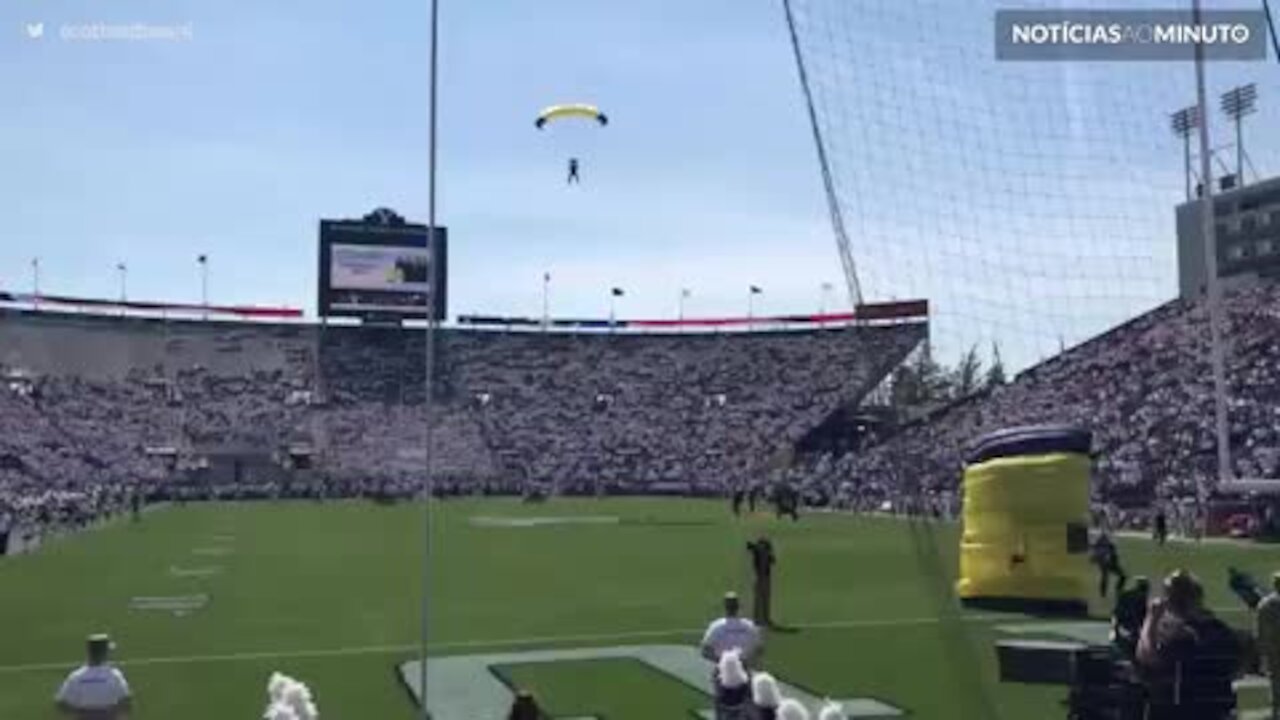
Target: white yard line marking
469	644
501	643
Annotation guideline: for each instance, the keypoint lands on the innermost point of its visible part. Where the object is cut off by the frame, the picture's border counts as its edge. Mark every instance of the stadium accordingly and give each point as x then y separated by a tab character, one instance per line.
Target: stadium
370	474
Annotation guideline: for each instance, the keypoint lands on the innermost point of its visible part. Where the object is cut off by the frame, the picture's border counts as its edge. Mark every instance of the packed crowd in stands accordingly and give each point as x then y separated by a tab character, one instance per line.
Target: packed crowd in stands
1146	391
192	410
91	405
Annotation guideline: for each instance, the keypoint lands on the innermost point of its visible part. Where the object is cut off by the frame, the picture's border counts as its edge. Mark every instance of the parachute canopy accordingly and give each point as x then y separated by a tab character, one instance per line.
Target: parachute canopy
556	112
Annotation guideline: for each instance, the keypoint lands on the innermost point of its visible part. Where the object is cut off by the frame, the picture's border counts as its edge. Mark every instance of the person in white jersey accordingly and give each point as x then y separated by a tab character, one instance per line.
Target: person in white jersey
95	690
732	632
726	634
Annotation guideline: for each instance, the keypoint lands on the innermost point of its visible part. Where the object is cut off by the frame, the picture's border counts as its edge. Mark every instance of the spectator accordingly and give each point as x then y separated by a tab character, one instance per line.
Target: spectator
1268	633
1129	616
6	527
1187	656
525	707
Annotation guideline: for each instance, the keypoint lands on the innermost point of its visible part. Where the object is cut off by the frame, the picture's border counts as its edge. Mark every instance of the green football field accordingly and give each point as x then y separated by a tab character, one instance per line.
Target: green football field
331	594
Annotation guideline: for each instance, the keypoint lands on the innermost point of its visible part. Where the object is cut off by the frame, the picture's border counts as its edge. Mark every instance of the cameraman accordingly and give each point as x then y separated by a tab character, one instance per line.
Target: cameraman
1129	616
1186	656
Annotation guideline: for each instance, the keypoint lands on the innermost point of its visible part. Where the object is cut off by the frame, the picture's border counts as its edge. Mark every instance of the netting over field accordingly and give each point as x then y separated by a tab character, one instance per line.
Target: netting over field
1032	203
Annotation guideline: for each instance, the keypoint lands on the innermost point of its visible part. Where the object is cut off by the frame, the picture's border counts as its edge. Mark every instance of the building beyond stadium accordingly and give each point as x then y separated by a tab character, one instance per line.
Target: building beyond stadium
1247	230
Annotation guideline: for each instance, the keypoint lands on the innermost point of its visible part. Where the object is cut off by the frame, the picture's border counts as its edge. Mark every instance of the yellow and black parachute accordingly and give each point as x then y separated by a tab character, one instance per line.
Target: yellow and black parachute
558	112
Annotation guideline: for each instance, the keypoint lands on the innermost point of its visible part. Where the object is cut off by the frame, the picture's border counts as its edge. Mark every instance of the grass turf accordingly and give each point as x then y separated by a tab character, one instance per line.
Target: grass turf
331	594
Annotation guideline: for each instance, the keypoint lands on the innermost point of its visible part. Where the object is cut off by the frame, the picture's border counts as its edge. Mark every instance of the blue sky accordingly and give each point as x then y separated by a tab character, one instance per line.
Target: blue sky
1032	204
277	114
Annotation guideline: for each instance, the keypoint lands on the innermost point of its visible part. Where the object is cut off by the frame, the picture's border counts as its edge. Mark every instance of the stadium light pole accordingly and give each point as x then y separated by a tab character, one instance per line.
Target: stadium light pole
204	285
546	309
35	282
1236	103
1213	288
1182	123
429	371
123	271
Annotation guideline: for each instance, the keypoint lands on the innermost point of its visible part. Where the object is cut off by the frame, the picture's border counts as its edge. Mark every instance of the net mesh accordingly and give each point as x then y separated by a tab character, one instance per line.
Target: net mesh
1032	203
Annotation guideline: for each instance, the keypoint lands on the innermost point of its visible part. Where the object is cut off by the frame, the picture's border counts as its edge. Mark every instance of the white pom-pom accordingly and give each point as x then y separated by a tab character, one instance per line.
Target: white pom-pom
277	711
764	691
792	709
276	687
831	710
731	671
297	695
290	699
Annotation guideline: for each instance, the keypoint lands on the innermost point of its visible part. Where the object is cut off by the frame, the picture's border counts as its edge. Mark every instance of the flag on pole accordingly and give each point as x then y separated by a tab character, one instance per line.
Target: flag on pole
617	292
755	290
546	277
685	292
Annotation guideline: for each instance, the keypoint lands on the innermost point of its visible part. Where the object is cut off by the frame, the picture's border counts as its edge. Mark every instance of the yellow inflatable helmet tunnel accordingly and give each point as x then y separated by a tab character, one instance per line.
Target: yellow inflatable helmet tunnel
1025	543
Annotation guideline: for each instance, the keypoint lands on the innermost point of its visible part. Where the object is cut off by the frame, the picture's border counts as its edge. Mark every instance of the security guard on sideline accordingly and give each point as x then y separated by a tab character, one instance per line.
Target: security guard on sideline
762	562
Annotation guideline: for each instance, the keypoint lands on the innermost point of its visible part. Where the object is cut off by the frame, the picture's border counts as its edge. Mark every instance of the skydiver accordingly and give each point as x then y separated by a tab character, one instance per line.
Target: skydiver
573	171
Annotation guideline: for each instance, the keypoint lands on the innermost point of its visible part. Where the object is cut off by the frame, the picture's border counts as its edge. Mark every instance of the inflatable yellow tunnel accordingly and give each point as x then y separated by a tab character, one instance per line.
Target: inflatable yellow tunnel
1025	541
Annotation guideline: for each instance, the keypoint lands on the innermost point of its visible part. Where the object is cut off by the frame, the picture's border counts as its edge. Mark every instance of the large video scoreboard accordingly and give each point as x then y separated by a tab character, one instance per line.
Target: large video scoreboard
382	267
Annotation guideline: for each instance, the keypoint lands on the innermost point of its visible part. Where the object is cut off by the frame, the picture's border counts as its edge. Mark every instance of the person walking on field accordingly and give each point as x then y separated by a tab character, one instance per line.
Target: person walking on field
762	562
1107	557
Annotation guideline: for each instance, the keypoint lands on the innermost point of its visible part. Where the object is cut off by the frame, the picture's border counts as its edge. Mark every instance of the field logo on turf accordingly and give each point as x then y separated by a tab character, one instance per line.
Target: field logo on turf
528	522
467	687
179	605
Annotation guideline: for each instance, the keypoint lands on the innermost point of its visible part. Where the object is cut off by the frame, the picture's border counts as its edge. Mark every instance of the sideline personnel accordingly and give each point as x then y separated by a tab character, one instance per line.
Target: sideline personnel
762	561
730	633
95	690
1268	631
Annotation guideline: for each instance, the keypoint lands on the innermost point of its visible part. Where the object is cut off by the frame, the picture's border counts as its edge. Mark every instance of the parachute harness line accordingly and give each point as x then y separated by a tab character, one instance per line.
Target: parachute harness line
828	183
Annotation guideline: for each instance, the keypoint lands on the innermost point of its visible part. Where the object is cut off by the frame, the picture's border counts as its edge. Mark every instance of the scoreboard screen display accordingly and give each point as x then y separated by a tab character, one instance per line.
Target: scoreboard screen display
379	267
